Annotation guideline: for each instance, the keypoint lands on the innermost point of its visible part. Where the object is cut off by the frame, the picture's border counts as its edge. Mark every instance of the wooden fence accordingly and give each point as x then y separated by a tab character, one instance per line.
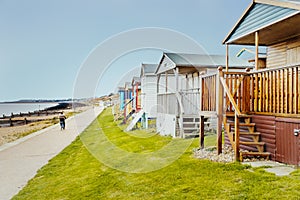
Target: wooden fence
209	92
275	91
269	92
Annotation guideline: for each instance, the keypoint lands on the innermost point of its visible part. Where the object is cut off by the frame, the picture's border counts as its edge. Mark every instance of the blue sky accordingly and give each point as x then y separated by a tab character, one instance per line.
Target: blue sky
44	43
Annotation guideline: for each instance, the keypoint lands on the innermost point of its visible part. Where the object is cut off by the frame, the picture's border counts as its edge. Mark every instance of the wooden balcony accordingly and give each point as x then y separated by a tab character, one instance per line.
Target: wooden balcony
271	92
267	92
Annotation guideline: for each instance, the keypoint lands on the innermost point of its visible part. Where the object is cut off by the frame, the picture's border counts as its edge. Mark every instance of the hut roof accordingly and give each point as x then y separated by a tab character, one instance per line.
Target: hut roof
172	60
148	69
276	20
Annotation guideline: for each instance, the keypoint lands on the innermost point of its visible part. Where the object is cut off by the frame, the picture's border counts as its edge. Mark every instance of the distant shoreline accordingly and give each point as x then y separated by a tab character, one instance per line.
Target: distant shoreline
38	101
53	106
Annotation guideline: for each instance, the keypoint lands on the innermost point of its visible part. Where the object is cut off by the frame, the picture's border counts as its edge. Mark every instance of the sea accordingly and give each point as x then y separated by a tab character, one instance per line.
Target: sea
8	108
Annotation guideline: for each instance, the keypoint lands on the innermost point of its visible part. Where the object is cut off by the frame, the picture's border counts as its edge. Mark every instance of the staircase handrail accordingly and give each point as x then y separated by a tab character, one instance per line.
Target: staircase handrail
127	103
230	97
179	99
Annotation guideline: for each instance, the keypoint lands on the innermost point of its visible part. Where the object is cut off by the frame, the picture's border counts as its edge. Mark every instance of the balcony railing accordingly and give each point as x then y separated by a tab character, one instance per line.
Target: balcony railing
269	92
208	96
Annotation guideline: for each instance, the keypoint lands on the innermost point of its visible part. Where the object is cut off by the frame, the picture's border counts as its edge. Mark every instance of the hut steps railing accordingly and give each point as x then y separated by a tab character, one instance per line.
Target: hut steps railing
234	101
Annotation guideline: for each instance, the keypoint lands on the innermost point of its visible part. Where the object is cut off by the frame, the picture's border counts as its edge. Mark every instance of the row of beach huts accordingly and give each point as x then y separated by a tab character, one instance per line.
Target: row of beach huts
255	103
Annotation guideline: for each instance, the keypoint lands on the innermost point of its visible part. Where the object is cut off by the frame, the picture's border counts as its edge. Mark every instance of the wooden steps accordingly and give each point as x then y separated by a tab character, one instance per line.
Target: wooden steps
254	154
246	132
254	134
232	114
191	126
253	143
249	133
243	124
206	123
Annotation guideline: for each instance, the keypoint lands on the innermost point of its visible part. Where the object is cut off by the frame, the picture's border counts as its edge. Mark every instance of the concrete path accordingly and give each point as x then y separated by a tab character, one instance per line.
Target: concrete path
279	169
20	160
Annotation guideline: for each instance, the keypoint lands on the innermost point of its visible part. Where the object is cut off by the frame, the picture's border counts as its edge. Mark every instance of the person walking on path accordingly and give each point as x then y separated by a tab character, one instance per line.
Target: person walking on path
62	119
20	161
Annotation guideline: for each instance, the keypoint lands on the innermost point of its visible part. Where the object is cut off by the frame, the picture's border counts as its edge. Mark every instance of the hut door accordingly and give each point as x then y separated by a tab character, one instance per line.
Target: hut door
287	143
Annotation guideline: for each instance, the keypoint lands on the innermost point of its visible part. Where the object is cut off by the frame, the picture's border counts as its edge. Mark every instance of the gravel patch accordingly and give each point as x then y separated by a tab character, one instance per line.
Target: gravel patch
227	155
210	153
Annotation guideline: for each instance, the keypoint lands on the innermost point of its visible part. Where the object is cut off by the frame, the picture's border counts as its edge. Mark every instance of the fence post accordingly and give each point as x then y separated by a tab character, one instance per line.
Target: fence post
237	137
10	122
246	93
201	92
220	98
201	133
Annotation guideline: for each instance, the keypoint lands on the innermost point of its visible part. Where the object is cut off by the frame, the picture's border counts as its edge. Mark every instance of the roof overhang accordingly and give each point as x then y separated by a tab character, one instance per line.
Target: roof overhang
159	69
285	27
284	4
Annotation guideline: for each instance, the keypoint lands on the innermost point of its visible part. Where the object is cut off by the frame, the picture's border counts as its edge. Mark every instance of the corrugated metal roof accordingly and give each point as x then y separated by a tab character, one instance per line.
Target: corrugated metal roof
293	1
149	68
258	16
198	60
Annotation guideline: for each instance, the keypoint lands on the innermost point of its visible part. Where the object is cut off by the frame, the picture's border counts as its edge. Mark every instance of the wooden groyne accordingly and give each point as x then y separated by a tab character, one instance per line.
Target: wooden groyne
17	119
25	118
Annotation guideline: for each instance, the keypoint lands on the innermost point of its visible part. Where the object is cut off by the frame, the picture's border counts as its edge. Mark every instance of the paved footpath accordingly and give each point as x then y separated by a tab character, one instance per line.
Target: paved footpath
20	160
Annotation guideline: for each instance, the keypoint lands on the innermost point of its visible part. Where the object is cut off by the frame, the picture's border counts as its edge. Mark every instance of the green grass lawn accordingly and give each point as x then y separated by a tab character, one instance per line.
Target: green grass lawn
77	174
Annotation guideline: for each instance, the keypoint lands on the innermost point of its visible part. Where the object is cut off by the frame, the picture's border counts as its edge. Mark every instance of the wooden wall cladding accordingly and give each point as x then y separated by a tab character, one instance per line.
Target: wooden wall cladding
266	126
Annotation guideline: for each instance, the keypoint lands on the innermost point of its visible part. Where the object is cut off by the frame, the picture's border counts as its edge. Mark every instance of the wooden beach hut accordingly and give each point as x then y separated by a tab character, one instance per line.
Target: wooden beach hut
136	111
186	90
136	94
145	87
148	90
121	92
128	101
262	107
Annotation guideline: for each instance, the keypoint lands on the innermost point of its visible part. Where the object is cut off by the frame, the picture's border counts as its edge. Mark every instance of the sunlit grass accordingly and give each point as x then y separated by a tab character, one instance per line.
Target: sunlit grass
76	174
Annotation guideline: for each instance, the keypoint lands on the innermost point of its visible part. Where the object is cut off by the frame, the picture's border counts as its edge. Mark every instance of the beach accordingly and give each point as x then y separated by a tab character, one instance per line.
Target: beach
35	122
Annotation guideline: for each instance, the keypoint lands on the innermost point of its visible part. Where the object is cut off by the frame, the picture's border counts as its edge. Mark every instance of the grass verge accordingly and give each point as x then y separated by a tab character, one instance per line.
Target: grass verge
76	174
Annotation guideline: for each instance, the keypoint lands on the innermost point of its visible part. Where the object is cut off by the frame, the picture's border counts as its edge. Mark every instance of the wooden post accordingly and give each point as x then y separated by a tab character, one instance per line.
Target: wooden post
246	92
201	133
10	122
157	83
227	57
166	74
237	137
166	91
201	92
220	100
256	50
179	100
136	96
176	72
